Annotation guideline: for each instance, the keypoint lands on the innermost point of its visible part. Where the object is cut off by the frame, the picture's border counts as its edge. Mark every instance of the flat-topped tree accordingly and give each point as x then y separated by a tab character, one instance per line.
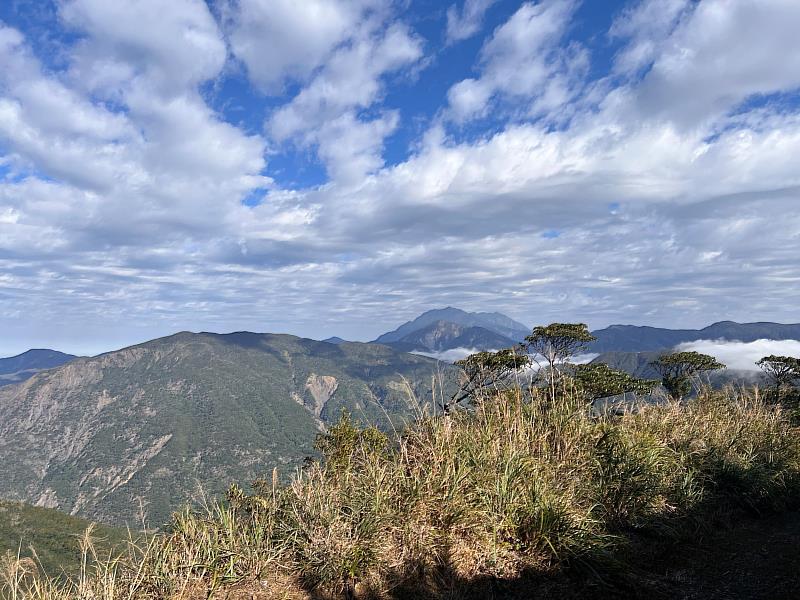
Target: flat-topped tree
485	370
599	380
557	343
679	369
782	371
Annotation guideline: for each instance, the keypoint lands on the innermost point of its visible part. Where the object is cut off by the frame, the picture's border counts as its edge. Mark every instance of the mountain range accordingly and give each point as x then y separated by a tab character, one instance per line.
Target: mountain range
22	366
632	338
159	421
449	328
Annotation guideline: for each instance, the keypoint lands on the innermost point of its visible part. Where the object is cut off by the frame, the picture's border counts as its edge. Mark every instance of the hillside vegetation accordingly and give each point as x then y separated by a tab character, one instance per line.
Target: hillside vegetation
522	483
171	419
54	536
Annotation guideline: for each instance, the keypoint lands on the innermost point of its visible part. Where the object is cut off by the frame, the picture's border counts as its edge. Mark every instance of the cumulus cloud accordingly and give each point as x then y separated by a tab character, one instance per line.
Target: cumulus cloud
742	356
645	27
280	40
325	113
464	23
125	209
523	59
699	74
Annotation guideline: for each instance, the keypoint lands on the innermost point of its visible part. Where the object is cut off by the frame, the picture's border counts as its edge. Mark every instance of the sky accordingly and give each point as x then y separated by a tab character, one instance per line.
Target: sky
336	167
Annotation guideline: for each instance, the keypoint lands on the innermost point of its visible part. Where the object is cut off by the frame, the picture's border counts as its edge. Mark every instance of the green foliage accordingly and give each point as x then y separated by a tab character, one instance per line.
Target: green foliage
345	440
559	341
782	370
598	380
783	373
51	537
484	372
192	408
678	370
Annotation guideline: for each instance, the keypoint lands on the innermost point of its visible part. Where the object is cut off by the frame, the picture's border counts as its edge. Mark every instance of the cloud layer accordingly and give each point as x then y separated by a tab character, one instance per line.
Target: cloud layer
641	172
742	356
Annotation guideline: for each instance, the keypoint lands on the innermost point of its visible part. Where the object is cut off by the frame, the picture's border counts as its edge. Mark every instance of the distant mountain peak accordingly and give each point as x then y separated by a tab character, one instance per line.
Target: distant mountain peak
22	366
487	330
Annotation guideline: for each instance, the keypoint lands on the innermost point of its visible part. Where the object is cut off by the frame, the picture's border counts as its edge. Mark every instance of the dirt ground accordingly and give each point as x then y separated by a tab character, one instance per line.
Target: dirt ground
757	559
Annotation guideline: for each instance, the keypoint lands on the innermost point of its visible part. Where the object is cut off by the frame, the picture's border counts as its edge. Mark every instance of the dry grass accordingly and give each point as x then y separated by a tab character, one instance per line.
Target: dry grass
518	484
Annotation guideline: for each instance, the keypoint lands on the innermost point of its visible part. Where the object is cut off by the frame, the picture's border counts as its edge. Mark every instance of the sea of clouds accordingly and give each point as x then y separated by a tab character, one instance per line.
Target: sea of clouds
742	356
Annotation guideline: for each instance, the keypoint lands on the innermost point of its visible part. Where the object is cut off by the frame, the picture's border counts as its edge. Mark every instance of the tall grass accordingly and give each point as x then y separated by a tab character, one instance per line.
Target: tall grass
517	484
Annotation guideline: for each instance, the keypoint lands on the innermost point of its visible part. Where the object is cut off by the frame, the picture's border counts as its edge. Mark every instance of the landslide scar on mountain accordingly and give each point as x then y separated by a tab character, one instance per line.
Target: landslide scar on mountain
322	388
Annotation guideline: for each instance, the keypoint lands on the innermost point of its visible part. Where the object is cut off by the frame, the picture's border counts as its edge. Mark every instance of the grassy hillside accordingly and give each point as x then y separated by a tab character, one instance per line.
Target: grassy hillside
54	535
166	421
462	505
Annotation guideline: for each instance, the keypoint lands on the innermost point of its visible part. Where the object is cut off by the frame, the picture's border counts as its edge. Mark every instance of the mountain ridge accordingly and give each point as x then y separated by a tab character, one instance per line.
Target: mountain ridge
150	421
20	367
643	338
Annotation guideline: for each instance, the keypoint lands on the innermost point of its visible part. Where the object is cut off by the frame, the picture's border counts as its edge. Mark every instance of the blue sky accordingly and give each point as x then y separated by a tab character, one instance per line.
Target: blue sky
335	167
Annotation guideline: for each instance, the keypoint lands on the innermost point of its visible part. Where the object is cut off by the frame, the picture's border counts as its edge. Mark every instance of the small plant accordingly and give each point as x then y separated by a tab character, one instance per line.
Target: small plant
345	439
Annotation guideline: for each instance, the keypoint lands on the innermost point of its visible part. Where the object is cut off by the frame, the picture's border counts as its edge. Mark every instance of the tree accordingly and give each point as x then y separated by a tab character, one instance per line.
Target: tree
598	380
557	343
783	371
485	370
678	370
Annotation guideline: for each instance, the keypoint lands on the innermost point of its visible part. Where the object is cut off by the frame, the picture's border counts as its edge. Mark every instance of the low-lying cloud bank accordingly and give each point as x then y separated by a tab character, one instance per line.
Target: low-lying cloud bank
455	354
451	355
742	356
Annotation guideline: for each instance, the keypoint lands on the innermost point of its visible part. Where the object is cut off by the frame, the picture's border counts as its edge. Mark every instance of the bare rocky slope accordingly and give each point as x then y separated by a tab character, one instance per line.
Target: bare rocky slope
155	424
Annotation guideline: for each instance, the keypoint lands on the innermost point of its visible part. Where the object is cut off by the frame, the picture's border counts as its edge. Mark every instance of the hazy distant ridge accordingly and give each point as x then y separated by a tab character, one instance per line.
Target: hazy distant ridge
22	366
633	338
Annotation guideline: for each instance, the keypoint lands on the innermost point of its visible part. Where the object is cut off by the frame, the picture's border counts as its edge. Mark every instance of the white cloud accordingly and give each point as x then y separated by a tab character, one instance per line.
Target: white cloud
174	45
742	356
324	114
284	39
121	188
524	59
721	54
646	26
451	355
467	22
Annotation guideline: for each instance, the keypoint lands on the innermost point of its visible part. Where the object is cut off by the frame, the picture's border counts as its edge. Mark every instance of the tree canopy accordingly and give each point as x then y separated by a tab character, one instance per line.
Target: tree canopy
598	380
678	369
485	370
782	370
559	341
